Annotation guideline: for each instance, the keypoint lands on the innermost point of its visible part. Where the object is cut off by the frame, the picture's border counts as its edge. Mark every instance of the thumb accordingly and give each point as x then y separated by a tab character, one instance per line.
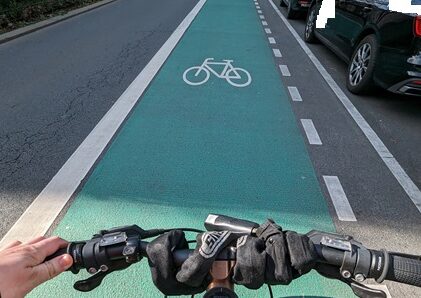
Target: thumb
51	268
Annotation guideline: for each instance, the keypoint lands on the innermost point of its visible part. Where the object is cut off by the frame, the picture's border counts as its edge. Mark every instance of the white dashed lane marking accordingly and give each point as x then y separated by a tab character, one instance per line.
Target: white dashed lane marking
311	132
277	53
264	23
339	199
262	17
284	70
268	31
295	94
271	40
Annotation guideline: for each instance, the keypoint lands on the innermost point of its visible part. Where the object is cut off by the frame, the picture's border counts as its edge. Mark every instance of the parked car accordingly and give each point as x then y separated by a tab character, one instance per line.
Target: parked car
382	47
295	7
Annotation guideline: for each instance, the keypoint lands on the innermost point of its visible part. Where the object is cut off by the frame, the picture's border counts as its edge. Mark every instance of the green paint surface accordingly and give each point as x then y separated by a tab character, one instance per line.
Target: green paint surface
187	151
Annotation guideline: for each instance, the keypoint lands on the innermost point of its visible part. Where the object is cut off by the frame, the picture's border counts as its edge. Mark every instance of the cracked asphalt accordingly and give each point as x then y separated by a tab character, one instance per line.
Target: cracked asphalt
57	83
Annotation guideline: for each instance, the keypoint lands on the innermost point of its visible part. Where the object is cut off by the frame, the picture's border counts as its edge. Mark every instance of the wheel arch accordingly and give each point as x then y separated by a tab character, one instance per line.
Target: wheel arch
369	30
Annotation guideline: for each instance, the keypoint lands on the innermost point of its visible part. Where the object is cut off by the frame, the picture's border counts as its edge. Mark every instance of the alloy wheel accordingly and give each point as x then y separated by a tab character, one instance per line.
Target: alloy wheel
310	23
360	64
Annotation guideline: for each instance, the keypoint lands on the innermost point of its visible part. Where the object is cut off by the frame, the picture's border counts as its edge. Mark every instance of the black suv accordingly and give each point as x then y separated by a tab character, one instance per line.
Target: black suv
382	47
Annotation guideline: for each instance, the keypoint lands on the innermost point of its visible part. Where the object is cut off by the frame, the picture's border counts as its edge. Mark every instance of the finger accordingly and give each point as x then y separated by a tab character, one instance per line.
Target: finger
48	246
13	244
51	268
35	240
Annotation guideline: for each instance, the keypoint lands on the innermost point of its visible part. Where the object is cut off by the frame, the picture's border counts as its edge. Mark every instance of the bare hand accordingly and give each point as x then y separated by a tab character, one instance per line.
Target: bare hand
22	266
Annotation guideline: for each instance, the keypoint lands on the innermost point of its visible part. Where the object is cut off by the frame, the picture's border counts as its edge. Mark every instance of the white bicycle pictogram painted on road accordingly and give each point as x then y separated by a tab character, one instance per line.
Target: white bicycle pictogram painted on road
198	75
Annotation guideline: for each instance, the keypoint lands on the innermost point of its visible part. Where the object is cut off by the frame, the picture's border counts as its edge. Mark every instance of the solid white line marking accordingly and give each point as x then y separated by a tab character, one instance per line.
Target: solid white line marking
268	31
264	23
295	94
277	53
262	17
311	132
40	215
395	168
271	40
339	199
259	11
284	70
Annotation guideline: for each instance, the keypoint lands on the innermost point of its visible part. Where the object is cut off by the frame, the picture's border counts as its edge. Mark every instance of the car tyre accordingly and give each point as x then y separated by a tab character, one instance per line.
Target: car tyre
282	3
360	76
310	29
291	13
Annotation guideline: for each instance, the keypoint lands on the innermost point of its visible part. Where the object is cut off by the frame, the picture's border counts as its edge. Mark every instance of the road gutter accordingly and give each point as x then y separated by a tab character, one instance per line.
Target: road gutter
5	37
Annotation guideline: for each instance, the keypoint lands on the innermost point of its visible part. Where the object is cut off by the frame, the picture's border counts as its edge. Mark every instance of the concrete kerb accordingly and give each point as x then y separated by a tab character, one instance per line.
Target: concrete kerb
5	37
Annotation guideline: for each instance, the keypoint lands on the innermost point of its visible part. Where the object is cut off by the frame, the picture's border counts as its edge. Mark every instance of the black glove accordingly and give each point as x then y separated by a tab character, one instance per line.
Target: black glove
279	256
163	268
249	269
195	270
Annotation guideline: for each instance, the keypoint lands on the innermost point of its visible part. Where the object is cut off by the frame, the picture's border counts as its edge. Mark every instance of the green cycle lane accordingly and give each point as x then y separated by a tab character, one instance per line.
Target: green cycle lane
187	151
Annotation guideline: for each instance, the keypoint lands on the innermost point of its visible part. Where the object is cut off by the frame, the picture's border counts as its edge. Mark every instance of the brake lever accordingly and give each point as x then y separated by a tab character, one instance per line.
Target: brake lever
92	282
363	291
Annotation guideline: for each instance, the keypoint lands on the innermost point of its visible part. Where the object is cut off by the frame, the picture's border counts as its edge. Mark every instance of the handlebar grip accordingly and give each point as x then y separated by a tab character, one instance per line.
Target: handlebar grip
59	252
404	270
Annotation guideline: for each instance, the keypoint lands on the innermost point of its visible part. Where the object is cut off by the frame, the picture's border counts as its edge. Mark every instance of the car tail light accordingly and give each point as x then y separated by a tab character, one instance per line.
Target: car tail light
416	82
417	26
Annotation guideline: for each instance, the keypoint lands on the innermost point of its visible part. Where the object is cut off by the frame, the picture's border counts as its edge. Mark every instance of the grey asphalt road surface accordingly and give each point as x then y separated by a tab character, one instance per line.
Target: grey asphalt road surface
57	83
386	217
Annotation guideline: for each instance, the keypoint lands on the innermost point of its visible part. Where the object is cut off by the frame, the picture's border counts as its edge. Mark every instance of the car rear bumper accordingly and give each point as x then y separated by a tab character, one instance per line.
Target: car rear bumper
410	86
410	78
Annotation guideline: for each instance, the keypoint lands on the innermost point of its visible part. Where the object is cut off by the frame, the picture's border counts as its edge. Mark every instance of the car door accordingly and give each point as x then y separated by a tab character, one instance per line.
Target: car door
351	17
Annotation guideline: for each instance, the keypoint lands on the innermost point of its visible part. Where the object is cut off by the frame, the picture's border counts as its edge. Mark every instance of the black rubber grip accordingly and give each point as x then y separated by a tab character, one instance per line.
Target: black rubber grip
404	270
59	252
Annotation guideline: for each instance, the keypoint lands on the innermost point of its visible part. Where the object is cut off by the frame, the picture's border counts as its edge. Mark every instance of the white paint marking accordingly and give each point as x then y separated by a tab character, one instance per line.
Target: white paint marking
262	17
284	70
395	168
40	215
295	94
257	6
311	132
277	53
264	23
271	40
259	11
339	199
268	31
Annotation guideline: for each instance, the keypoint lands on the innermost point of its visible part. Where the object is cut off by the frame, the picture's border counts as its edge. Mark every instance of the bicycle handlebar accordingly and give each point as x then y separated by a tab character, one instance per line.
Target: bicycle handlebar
339	257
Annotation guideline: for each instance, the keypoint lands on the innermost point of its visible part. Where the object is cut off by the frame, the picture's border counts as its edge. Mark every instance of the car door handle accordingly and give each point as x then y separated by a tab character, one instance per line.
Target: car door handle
367	9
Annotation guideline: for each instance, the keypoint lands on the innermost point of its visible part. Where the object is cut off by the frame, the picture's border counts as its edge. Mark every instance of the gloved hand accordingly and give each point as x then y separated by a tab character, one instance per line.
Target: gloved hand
196	268
193	277
282	256
249	268
163	268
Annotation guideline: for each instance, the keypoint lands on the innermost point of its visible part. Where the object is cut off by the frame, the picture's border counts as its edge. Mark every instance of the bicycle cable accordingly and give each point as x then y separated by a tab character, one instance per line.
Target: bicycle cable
270	291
